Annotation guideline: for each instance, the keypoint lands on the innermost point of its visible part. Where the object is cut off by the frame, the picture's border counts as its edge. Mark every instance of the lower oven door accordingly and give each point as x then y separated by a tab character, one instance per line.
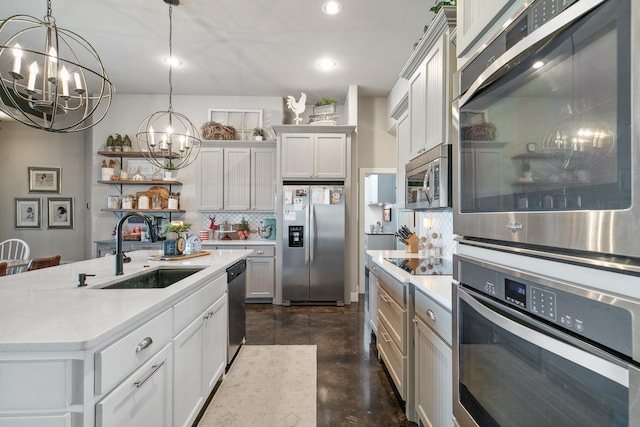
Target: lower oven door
511	370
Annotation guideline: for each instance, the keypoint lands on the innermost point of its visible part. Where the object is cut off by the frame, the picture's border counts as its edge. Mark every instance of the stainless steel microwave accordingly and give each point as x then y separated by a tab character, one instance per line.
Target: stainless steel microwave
427	180
548	125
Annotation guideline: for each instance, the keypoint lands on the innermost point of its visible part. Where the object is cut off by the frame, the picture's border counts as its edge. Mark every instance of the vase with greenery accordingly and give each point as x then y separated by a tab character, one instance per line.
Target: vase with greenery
259	134
325	106
175	229
526	170
435	9
169	170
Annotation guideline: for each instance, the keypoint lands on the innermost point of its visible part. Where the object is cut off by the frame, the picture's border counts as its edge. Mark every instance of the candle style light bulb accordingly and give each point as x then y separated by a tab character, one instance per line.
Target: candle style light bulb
17	62
33	72
182	144
152	141
163	143
53	68
79	89
64	75
187	143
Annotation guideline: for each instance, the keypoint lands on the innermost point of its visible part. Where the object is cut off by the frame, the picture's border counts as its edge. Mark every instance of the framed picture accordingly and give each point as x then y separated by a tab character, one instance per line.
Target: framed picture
44	180
386	215
28	213
60	212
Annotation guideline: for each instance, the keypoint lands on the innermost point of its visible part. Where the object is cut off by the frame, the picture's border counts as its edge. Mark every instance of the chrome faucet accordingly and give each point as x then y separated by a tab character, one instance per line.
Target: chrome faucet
119	254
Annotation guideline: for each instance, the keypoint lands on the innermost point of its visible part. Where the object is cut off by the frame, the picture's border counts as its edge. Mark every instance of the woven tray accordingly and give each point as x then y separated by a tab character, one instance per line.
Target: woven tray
178	257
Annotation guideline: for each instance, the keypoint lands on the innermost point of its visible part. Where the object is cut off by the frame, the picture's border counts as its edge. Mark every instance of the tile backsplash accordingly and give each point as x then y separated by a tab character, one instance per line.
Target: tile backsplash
441	223
254	219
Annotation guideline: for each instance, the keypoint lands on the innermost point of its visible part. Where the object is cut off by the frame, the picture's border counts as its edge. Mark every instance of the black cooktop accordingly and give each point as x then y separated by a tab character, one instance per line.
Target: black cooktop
423	266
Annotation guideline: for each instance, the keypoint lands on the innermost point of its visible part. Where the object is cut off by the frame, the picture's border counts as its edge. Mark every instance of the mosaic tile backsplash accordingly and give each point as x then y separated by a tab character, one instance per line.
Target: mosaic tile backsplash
254	219
440	223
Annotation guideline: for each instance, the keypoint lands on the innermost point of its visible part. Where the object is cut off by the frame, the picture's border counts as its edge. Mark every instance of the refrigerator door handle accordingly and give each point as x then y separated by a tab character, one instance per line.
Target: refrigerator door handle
312	232
306	236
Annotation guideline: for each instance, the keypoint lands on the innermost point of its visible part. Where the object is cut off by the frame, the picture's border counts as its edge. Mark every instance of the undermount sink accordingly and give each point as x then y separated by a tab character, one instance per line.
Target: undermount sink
155	279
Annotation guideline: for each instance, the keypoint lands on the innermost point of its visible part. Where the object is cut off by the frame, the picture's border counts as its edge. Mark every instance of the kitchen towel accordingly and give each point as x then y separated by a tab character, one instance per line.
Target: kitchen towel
267	385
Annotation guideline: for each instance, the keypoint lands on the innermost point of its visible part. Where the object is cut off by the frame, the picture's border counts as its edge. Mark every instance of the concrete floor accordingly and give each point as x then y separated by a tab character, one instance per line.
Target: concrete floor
353	388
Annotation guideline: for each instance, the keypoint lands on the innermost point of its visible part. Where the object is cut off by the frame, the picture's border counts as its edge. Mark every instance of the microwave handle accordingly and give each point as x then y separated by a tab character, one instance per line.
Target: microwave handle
491	73
561	349
427	185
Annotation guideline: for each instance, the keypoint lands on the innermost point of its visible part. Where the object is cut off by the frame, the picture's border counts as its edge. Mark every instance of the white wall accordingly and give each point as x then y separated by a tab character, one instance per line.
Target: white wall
21	147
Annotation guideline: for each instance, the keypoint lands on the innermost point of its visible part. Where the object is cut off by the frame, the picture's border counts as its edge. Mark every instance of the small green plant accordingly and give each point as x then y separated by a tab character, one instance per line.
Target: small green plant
436	8
325	101
526	166
111	143
259	132
118	142
175	227
126	141
169	165
243	229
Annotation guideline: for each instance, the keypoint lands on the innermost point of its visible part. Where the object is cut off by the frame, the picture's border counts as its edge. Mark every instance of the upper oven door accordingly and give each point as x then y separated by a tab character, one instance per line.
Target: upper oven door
546	135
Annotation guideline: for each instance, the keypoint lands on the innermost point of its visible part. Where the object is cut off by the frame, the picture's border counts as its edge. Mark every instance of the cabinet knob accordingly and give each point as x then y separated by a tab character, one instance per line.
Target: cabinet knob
431	314
144	344
260	252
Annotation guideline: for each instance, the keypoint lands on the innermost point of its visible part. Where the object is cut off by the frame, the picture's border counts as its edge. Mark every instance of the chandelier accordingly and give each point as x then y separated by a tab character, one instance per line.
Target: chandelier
50	78
168	139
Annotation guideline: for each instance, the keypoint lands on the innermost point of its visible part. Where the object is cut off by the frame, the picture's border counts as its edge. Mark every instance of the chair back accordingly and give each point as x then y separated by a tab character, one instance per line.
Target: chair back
38	263
3	268
15	249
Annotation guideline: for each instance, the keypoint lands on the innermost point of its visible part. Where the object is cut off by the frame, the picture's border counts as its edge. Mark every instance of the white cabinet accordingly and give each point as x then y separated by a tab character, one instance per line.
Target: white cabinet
314	152
393	329
380	189
433	362
429	71
260	277
236	178
311	155
144	399
480	164
200	359
373	298
403	140
474	18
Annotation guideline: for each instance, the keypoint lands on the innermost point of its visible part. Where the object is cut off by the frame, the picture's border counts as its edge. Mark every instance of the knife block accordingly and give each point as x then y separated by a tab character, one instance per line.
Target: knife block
412	244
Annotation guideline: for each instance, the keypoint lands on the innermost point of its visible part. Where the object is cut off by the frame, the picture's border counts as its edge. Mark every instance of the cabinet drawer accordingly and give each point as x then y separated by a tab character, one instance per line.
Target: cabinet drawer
395	318
193	305
144	398
394	360
259	251
434	315
116	361
51	378
396	289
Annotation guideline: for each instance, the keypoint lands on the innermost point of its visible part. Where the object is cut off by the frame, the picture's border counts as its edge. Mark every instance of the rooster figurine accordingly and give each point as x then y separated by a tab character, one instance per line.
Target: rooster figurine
297	106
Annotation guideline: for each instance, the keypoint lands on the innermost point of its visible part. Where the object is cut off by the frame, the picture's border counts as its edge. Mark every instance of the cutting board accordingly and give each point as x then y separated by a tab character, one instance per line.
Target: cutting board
178	257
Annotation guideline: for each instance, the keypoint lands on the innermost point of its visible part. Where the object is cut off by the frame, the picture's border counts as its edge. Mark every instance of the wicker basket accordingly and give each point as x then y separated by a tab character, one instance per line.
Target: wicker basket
479	132
218	131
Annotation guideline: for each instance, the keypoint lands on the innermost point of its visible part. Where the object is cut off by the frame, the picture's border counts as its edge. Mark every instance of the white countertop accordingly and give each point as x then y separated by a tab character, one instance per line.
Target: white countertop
44	310
438	287
234	242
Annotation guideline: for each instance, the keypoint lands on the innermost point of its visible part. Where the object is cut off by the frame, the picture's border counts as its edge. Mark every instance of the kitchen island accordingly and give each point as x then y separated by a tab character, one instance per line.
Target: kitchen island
85	356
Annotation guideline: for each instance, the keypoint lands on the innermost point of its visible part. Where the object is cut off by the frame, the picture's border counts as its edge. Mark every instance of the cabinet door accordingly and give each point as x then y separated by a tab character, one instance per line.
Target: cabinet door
373	300
297	155
403	134
433	374
215	343
188	372
329	154
209	178
260	277
434	100
144	399
236	182
263	175
474	16
417	99
482	167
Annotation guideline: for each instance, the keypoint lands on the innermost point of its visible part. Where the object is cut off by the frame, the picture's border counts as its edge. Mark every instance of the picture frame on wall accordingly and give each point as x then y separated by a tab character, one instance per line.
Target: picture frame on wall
60	212
27	213
44	180
386	215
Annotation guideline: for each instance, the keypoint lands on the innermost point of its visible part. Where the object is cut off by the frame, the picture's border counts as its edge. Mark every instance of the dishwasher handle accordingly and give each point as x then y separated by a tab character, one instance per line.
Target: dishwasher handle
236	270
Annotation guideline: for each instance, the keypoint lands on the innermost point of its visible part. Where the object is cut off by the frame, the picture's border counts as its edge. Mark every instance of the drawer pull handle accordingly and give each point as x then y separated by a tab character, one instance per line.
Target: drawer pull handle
385	299
154	368
259	252
144	344
431	314
386	337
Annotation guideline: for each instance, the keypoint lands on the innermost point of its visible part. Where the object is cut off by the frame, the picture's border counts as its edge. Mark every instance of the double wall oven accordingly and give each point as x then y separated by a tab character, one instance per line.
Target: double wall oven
549	126
547	169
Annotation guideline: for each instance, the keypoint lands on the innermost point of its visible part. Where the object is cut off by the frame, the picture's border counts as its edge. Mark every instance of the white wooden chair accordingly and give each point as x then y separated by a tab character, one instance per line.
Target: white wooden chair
15	249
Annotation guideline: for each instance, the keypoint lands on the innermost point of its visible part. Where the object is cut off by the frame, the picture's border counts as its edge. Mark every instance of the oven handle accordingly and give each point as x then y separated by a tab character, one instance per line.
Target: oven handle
568	352
557	24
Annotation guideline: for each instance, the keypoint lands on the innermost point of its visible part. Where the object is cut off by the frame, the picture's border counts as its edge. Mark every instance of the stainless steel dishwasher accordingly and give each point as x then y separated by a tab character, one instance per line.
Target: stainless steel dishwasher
237	317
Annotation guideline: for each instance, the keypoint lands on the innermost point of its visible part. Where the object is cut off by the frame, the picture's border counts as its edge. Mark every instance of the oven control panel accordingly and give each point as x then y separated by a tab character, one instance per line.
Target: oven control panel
568	306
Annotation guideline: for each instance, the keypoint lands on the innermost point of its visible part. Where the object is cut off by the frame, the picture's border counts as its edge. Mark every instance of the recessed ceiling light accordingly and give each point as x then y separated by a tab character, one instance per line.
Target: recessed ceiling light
331	7
327	64
172	60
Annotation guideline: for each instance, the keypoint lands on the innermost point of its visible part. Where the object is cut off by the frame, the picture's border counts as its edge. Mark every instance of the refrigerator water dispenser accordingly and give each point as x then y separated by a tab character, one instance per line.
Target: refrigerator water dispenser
296	236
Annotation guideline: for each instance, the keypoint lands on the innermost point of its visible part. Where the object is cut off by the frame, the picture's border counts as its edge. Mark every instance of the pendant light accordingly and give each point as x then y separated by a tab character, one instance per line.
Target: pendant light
168	139
50	78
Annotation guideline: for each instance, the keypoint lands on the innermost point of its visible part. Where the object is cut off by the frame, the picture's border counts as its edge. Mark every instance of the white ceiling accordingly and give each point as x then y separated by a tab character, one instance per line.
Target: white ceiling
244	47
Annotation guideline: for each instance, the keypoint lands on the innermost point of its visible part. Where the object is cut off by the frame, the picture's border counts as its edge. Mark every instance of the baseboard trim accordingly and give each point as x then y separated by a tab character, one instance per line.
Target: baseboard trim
354	296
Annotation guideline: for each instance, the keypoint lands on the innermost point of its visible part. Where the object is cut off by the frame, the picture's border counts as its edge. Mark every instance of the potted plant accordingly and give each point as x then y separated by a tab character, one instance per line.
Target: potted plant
325	106
111	143
526	170
243	229
126	143
118	142
259	134
169	169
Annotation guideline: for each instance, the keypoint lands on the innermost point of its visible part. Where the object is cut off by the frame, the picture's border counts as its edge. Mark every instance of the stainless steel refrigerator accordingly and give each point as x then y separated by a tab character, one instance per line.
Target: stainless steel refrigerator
313	238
